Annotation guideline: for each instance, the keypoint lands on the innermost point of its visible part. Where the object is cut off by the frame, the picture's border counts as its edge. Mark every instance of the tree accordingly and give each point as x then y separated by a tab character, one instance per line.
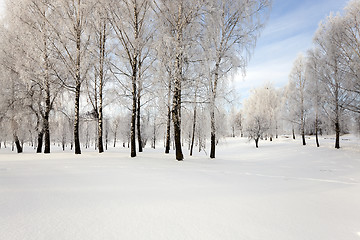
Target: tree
100	27
232	28
315	93
257	122
70	44
177	20
348	45
37	63
297	94
330	72
128	20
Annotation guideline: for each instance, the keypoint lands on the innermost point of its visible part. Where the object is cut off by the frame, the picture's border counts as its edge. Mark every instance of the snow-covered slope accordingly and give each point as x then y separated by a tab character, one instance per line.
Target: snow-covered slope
281	191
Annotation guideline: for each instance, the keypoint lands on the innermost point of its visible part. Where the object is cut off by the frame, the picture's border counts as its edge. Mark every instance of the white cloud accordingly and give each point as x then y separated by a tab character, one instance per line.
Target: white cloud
289	31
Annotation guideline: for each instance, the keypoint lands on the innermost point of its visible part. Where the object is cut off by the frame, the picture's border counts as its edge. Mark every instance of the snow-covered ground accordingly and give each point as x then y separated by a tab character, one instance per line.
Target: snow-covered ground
281	191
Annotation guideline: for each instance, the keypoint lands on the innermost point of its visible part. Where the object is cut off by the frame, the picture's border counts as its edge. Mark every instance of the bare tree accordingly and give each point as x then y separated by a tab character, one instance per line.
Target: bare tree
232	28
130	19
297	94
330	72
177	19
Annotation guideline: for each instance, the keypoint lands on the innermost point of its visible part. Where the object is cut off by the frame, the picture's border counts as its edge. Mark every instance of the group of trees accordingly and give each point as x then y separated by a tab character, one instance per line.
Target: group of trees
323	93
80	68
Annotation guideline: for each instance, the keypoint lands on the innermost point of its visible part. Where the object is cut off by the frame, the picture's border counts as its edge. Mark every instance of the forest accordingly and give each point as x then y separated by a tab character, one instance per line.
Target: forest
135	73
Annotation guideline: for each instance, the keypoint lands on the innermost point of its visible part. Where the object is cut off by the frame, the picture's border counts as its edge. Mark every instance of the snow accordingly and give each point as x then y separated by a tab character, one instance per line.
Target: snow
280	191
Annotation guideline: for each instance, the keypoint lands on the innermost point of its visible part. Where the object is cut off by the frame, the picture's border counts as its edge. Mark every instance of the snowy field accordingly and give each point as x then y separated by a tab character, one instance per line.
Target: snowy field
281	191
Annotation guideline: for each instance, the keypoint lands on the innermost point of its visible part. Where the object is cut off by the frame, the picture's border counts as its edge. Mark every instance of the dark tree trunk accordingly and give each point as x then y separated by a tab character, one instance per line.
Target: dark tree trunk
317	139
337	137
303	131
176	109
39	142
303	139
168	126
193	132
133	116
154	136
18	145
115	140
106	139
337	121
168	131
213	138
101	83
293	133
100	129
199	144
46	127
47	130
177	122
257	142
316	131
78	81
77	120
138	124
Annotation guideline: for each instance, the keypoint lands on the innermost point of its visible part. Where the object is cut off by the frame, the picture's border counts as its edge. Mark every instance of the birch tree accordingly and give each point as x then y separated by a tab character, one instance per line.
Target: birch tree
130	21
178	23
330	71
257	122
232	27
100	27
297	94
71	44
348	44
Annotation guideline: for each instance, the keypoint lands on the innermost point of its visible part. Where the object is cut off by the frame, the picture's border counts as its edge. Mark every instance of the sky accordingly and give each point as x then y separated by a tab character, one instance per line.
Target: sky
289	31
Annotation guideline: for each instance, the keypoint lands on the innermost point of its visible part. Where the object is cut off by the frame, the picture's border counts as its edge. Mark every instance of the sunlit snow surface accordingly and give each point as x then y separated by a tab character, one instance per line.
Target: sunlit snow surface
281	191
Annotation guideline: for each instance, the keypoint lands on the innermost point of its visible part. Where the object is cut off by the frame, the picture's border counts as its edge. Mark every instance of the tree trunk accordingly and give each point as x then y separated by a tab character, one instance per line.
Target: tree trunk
193	132
77	120
177	121
176	110
115	140
337	118
154	136
293	133
213	138
212	107
101	83
317	139
133	115
17	143
106	139
48	107
316	131
257	142
303	131
138	125
78	82
337	132
47	128
39	142
168	127
303	139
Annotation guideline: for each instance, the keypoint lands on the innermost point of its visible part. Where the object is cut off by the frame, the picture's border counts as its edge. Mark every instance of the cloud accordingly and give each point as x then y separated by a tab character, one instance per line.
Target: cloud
289	31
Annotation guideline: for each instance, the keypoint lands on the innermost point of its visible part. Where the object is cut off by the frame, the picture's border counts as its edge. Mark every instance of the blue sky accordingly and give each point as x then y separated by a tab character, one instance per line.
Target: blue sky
288	32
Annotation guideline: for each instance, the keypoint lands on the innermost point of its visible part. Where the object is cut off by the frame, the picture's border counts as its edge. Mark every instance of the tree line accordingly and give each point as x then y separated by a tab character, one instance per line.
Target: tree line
71	70
323	92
